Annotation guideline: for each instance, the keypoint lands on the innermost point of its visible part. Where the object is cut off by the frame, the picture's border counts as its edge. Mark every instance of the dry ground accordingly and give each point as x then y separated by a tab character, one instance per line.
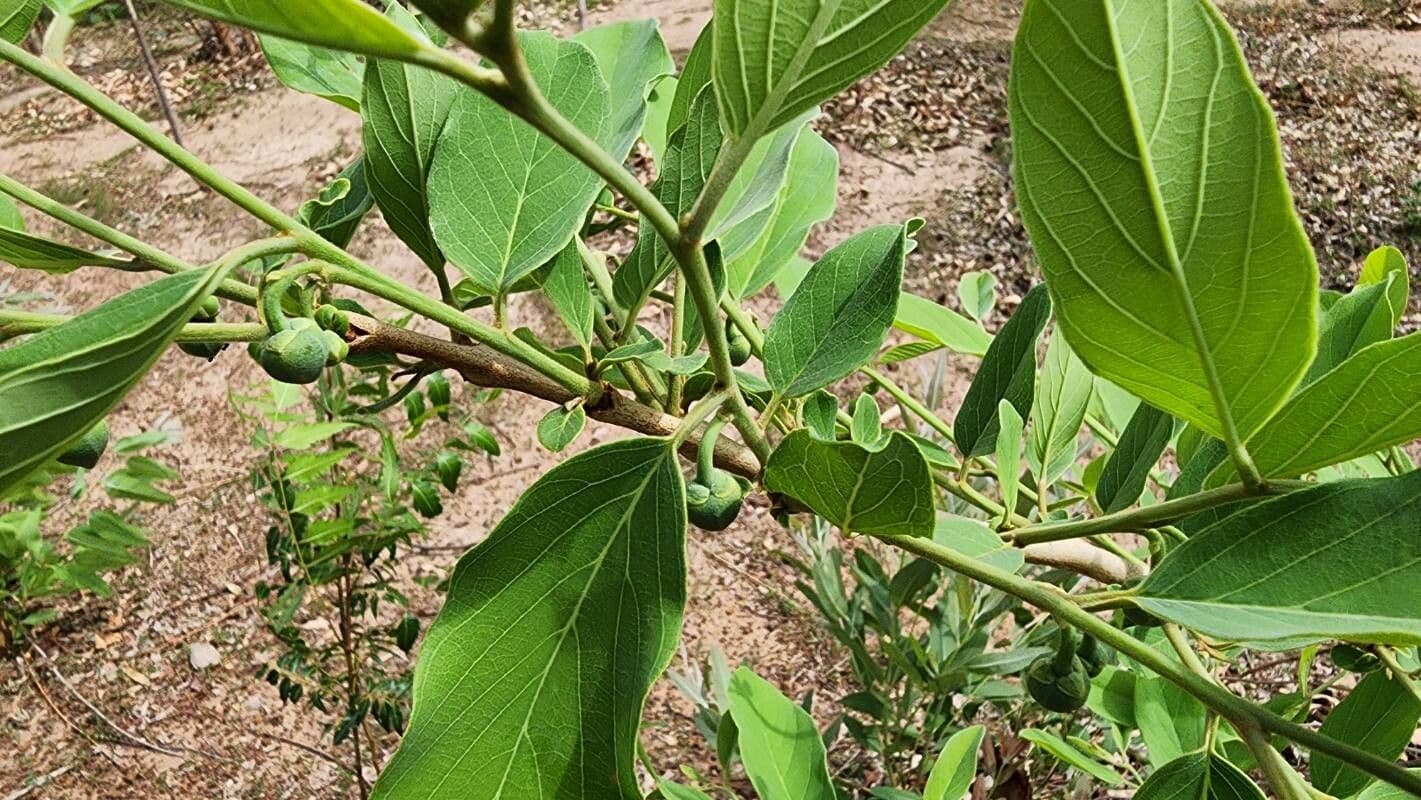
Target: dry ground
927	137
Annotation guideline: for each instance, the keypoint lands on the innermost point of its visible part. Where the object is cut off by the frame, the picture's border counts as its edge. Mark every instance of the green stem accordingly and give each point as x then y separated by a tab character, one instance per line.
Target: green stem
1132	520
15	323
72	85
1282	778
909	402
697	417
705	461
677	345
1243	714
150	257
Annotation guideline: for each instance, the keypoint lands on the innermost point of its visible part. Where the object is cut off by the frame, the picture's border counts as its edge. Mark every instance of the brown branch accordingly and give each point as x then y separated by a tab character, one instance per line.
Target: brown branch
486	367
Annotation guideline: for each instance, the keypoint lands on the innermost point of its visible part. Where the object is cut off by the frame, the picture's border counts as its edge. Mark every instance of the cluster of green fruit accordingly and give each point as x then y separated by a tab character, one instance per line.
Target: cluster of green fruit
1061	681
300	349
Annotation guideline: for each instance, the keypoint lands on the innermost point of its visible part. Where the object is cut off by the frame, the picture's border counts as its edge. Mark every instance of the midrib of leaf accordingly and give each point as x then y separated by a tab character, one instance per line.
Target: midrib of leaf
1176	266
573	618
759	124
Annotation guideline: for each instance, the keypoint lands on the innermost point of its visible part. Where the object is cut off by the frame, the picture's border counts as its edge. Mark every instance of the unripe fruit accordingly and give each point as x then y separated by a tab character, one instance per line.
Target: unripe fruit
203	350
333	319
86	452
715	506
208	311
740	349
336	348
1094	655
294	356
1058	691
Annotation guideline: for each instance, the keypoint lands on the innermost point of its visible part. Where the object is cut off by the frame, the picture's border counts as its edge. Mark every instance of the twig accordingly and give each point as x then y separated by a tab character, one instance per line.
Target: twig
130	736
39	687
321	754
43	781
153	72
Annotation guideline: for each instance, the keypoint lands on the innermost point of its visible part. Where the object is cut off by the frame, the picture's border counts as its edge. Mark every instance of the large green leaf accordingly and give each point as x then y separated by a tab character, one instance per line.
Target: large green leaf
956	765
405	108
331	74
17	17
630	55
695	76
775	59
349	25
1385	791
1199	776
1150	178
1063	393
1359	318
1379	717
1341	560
1008	372
1371	402
883	489
532	679
27	251
807	197
1141	444
690	155
749	202
840	315
779	745
56	385
504	198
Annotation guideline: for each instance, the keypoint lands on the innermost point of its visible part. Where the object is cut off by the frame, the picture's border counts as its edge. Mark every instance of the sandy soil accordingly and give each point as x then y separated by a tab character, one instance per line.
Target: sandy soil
227	734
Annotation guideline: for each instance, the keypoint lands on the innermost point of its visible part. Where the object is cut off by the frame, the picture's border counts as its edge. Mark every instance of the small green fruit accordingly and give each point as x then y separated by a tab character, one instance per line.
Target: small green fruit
740	349
208	311
86	452
715	507
1355	659
333	319
1094	655
294	356
1057	690
336	348
203	350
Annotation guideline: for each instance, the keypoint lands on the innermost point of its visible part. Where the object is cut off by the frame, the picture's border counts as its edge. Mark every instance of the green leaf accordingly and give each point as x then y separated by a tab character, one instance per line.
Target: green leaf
1170	720
978	293
1379	267
348	25
655	131
1369	403
56	385
1199	776
779	744
631	55
27	251
940	325
840	315
1009	425
956	765
10	216
749	203
1341	560
820	413
885	490
340	208
972	538
1379	717
807	197
1008	372
331	74
17	17
1150	178
1063	394
1379	790
867	427
907	352
690	156
1360	318
567	289
774	59
533	677
405	108
1112	696
1064	752
1128	467
504	199
695	76
303	437
561	426
675	791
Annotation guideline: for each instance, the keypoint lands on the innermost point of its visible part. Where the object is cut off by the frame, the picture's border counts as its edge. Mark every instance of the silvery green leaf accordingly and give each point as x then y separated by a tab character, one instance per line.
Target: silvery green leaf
330	74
